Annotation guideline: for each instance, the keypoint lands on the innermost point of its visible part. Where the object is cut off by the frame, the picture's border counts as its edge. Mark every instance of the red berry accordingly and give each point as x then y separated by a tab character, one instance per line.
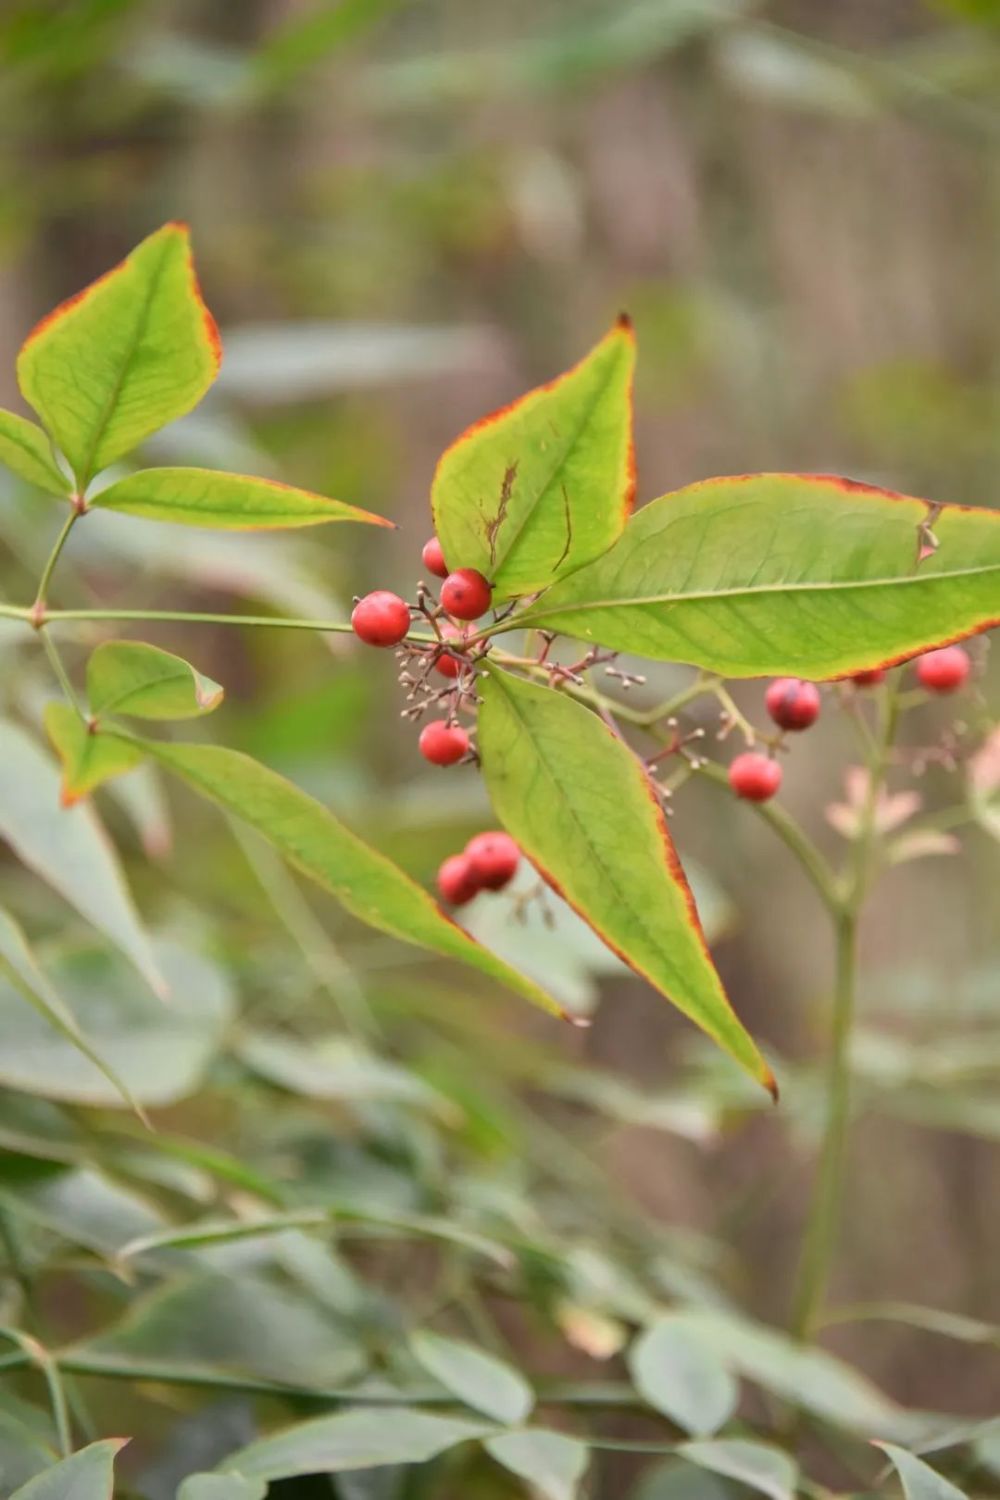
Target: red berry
869	679
466	594
456	881
493	858
754	776
442	743
381	619
433	558
447	664
792	704
945	670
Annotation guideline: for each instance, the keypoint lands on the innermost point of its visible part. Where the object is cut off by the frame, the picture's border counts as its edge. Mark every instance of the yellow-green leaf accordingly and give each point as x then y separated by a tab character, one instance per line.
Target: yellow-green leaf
128	354
230	502
584	811
546	484
85	1475
130	677
87	758
25	449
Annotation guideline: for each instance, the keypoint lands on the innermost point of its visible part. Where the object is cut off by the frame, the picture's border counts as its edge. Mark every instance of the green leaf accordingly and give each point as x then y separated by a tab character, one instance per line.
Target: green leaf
920	1481
87	758
230	502
333	1067
546	484
222	1487
776	573
475	1377
585	813
121	1032
86	1475
680	1374
67	848
756	1465
313	840
129	677
83	1207
551	1463
124	357
20	971
25	449
357	1439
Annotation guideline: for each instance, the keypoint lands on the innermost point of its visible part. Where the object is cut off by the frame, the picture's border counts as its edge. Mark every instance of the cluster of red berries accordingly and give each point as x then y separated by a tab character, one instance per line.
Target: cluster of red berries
795	705
487	863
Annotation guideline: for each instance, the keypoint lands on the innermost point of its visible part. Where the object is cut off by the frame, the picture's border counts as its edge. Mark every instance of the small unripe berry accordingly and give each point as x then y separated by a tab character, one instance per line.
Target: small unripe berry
869	679
381	619
791	703
433	558
442	743
493	858
945	670
754	776
446	664
456	881
466	594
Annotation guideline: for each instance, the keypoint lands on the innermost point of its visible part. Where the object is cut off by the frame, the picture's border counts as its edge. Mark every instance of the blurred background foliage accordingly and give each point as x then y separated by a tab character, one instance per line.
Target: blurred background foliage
405	214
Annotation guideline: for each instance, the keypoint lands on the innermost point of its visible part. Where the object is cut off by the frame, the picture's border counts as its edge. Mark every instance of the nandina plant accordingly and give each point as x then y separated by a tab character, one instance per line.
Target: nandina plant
536	579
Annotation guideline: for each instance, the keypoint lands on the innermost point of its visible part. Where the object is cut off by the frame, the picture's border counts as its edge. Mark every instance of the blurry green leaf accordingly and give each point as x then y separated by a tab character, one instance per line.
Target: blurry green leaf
476	1378
584	811
160	1050
307	38
88	759
544	485
67	848
244	1325
128	677
680	1374
86	1475
222	1487
551	1464
781	69
332	1068
757	1465
699	577
920	1481
128	354
26	1442
141	796
673	1480
357	1439
84	1207
313	840
25	449
228	502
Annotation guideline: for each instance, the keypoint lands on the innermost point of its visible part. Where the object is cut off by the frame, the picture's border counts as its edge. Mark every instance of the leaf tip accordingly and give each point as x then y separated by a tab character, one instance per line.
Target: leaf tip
68	798
624	322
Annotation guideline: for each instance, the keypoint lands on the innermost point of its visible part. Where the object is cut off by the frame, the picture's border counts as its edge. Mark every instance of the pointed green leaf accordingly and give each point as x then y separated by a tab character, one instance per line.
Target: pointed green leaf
775	573
920	1481
124	357
318	844
25	449
67	848
230	502
551	1463
87	758
357	1439
87	1475
584	811
129	677
681	1374
546	484
475	1377
757	1465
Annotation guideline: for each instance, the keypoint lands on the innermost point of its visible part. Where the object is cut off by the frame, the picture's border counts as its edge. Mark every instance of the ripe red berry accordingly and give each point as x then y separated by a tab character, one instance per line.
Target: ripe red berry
456	881
493	858
791	703
754	776
466	594
442	743
381	619
433	558
945	670
869	679
447	664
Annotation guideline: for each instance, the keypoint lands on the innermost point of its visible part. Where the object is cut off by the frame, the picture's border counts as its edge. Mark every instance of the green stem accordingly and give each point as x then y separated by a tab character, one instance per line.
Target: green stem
54	555
56	663
184	617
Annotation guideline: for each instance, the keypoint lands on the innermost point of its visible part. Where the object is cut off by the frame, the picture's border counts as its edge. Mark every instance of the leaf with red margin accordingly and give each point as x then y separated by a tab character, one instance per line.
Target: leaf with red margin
225	502
585	812
764	574
315	842
546	484
124	357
